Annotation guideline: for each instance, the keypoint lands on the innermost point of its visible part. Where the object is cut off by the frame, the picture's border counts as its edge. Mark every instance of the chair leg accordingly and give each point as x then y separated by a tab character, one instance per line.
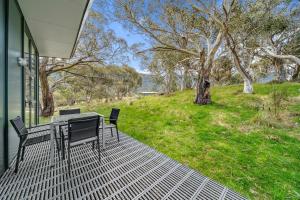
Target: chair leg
63	147
56	139
98	142
111	132
69	159
93	145
23	151
118	133
18	158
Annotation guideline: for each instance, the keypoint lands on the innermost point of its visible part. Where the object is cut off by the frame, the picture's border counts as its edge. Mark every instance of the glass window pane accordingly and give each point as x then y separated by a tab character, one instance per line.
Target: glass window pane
27	83
14	74
33	85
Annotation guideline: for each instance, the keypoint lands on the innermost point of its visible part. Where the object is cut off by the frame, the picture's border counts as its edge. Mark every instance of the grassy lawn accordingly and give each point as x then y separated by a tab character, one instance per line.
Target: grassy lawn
236	140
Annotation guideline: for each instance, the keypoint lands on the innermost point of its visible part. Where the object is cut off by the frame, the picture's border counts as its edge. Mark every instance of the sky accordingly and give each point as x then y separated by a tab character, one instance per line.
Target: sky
131	38
121	32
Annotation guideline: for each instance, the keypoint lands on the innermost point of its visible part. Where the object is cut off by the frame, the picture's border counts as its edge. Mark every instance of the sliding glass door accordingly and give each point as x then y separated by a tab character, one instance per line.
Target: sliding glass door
14	74
30	78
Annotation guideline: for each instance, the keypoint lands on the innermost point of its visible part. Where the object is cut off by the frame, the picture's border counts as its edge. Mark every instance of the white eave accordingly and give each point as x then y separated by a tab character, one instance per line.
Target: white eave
55	25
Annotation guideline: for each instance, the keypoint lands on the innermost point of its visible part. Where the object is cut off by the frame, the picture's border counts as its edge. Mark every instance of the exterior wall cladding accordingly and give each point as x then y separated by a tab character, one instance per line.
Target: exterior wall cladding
15	100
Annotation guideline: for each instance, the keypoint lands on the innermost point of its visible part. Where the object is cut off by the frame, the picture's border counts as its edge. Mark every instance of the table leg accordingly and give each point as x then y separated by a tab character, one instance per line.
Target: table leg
52	132
103	127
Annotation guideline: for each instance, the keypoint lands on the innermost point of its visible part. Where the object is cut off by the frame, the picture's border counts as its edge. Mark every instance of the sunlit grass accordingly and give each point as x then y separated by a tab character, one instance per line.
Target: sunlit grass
235	140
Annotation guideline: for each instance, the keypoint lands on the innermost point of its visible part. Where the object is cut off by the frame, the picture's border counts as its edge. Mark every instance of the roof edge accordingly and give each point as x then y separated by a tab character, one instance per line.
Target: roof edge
83	19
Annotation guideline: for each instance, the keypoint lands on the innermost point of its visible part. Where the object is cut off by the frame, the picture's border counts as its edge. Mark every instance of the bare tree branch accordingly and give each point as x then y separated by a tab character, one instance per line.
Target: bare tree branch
288	57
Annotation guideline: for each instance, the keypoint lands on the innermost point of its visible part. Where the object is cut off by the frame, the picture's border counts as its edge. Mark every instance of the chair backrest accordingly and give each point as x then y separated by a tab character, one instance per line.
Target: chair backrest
69	111
113	118
19	126
83	128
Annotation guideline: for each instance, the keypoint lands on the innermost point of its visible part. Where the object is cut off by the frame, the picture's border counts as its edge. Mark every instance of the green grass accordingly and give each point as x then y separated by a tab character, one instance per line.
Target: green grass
233	140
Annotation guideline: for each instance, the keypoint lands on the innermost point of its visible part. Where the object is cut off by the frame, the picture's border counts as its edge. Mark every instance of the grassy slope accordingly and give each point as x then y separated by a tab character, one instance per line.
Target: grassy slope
230	141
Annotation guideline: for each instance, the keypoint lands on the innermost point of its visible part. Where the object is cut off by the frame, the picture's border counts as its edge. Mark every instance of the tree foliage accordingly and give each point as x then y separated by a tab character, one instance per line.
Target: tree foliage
96	82
96	45
251	31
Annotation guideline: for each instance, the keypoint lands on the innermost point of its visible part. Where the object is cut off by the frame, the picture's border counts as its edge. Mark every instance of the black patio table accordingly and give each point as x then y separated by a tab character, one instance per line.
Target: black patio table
63	120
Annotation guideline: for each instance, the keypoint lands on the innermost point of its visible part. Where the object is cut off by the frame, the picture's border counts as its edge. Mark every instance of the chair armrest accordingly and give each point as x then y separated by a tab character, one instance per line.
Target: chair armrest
39	125
111	120
32	132
24	134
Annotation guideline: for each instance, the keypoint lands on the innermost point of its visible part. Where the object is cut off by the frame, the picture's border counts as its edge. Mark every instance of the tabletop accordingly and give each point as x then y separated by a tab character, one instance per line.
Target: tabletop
65	118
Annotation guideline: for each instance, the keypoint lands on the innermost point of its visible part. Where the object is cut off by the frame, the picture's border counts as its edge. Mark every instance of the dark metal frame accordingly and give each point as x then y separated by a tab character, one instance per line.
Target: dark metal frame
80	142
62	137
69	111
24	141
113	122
6	151
32	47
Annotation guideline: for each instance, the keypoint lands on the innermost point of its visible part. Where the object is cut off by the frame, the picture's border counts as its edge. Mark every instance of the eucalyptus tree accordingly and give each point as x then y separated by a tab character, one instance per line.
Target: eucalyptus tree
257	28
277	24
164	66
175	26
96	45
294	46
98	82
228	18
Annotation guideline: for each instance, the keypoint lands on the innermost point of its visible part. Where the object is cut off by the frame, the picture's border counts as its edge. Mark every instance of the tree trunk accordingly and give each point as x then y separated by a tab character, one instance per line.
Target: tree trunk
187	79
203	95
47	96
280	71
203	85
202	91
296	73
248	88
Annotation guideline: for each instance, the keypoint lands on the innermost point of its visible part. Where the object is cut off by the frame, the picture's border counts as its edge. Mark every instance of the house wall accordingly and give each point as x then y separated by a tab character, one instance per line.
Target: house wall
2	85
14	72
12	78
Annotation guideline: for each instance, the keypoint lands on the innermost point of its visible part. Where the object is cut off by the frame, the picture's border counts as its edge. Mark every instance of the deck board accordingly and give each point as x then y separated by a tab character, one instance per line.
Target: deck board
128	170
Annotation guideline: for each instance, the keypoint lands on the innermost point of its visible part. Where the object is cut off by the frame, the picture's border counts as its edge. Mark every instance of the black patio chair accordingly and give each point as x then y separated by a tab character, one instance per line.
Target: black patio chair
63	129
113	121
81	131
23	133
69	111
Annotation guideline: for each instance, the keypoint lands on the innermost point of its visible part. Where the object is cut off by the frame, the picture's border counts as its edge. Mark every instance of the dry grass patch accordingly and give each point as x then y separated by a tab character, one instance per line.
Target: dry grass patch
219	119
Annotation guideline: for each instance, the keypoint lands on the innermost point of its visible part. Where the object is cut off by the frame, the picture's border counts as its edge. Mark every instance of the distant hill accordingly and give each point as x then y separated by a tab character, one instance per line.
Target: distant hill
148	84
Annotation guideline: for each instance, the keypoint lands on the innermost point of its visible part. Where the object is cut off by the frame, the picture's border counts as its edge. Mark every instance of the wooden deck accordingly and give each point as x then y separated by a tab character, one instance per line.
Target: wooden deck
129	170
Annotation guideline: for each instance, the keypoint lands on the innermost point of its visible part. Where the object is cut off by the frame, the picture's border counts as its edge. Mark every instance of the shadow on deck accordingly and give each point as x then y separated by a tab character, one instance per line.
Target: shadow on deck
129	170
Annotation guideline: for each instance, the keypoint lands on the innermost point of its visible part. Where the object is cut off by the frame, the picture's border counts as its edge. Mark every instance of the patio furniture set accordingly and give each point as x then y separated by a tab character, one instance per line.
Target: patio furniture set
71	127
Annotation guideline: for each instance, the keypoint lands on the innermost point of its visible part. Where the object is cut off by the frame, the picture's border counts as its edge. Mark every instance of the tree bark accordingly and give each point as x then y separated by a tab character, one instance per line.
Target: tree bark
202	91
187	82
248	88
296	73
280	71
203	85
47	95
288	57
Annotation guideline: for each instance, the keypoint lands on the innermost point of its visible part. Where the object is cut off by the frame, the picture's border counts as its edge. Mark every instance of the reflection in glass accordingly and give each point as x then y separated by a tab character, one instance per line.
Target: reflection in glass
27	77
